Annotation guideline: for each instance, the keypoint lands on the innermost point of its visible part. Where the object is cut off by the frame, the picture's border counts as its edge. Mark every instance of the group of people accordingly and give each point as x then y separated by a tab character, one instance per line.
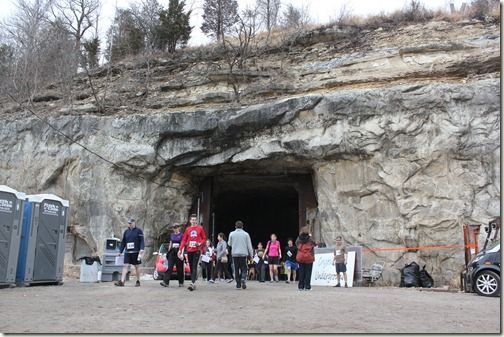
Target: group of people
193	245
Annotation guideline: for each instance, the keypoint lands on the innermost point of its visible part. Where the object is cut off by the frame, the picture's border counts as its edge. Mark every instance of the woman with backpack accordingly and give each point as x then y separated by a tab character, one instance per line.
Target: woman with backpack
305	257
274	255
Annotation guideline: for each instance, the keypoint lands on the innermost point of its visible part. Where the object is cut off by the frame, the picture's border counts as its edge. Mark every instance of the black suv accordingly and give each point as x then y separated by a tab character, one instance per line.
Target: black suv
482	274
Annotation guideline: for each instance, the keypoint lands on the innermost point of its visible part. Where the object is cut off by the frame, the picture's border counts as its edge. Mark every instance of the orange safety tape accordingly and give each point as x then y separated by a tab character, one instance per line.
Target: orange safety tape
366	250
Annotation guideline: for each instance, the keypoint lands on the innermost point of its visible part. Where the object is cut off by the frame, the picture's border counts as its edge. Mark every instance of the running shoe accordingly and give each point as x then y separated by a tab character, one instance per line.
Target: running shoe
119	283
137	284
163	284
191	287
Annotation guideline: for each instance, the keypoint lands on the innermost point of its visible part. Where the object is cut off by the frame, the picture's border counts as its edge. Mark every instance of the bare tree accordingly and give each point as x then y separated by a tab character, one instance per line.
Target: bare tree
76	16
296	17
25	31
344	14
238	48
147	18
268	11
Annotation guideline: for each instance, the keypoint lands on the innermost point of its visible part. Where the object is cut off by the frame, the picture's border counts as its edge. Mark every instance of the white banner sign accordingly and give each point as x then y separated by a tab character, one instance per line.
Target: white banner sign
324	271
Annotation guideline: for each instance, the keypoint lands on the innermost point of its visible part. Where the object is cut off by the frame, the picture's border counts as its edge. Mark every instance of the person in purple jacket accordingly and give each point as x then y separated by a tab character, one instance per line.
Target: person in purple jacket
171	256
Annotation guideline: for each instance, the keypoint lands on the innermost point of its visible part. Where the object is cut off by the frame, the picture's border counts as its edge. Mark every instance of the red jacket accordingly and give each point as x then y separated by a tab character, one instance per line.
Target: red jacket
193	240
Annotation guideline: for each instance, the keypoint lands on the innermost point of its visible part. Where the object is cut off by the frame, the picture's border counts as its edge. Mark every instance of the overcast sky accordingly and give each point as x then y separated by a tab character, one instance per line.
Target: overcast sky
321	11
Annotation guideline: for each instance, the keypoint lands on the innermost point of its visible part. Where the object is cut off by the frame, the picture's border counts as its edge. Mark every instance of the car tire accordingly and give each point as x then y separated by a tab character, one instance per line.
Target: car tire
156	275
487	283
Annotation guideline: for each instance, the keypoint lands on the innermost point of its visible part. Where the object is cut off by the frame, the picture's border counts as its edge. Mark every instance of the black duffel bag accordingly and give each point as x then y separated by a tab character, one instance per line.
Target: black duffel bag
410	275
426	281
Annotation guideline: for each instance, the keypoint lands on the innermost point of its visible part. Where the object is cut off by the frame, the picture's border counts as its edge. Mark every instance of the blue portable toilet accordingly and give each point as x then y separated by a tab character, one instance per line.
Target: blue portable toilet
11	217
42	249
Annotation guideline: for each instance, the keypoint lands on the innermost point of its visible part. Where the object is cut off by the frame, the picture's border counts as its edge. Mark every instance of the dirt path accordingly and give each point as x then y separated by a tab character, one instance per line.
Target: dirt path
268	308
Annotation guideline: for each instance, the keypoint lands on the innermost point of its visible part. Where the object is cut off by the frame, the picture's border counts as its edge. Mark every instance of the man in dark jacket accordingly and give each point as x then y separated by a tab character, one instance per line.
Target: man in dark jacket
133	242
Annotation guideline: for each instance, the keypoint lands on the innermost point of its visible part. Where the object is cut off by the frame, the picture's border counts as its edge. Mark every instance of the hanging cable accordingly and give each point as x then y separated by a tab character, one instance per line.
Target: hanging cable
72	141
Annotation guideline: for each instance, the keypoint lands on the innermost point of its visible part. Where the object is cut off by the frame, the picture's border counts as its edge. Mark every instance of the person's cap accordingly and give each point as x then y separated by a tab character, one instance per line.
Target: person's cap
131	220
175	225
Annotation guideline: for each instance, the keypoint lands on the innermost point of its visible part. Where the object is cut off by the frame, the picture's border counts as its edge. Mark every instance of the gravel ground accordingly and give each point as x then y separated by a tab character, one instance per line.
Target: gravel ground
76	307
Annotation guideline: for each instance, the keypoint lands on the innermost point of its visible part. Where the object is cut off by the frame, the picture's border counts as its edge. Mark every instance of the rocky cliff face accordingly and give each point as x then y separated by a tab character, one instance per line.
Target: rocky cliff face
400	130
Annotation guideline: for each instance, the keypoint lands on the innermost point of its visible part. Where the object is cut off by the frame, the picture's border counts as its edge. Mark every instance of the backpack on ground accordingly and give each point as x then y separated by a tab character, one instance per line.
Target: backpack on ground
304	253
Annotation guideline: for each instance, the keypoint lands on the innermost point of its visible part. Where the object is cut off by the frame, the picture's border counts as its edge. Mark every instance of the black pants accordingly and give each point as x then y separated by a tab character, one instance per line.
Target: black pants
209	270
174	260
240	269
222	267
305	270
261	270
193	264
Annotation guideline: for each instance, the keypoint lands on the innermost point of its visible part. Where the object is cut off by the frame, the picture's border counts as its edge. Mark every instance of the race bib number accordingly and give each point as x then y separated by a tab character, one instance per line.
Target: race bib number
289	254
193	244
175	245
130	245
338	252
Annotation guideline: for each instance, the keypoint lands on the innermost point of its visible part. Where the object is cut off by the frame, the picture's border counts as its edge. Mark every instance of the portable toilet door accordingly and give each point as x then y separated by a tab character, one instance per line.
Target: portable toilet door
46	247
11	217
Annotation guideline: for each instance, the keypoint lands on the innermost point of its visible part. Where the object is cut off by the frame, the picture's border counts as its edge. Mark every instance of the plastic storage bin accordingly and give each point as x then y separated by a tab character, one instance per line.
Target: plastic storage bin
90	272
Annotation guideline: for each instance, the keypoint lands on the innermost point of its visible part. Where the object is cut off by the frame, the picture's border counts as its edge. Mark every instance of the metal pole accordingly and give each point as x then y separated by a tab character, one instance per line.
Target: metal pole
199	221
213	226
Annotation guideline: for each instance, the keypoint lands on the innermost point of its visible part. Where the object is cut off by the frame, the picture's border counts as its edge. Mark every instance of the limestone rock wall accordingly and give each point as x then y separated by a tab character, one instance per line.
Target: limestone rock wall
404	166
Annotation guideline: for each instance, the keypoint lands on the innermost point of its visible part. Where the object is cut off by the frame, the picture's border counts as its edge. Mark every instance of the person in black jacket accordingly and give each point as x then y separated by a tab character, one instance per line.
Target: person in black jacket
133	242
290	260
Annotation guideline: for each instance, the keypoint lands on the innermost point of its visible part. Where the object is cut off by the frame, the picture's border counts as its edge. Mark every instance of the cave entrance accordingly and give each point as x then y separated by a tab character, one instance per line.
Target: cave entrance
266	204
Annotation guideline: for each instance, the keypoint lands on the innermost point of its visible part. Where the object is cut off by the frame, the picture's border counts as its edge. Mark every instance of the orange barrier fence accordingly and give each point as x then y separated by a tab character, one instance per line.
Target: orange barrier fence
367	250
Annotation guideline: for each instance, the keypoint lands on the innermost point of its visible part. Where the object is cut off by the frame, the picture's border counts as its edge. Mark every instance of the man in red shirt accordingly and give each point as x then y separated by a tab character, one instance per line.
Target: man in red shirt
193	242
